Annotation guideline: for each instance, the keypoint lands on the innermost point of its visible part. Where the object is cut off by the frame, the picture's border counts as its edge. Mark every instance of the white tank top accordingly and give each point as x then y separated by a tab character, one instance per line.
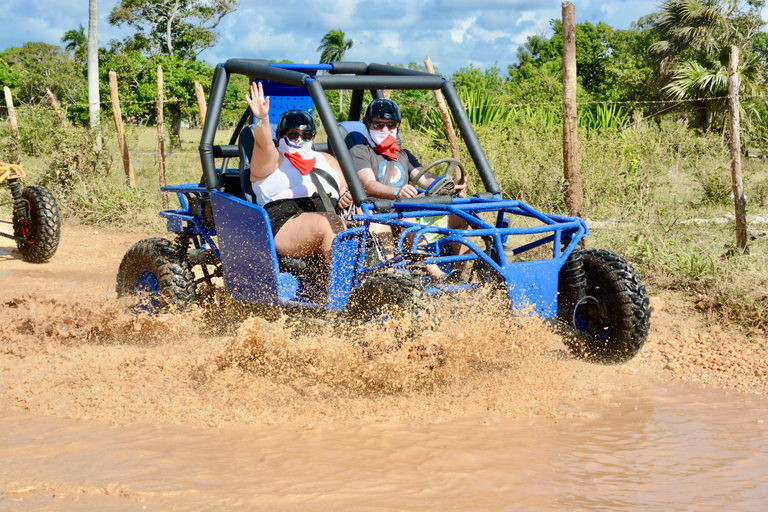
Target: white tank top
288	183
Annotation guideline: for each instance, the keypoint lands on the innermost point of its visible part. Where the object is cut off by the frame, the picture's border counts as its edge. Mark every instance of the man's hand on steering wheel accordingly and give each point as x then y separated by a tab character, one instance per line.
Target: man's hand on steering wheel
452	182
407	191
460	189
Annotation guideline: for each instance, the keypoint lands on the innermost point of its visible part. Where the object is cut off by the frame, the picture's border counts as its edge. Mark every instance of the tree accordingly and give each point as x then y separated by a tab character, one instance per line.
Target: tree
36	67
611	63
94	106
694	43
181	28
333	46
76	42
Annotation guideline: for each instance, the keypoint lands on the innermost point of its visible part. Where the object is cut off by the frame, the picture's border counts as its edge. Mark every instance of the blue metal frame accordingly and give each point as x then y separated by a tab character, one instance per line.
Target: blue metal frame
245	244
252	274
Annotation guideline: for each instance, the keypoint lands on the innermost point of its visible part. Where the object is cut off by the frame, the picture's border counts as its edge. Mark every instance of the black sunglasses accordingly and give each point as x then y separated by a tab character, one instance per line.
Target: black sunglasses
307	135
379	125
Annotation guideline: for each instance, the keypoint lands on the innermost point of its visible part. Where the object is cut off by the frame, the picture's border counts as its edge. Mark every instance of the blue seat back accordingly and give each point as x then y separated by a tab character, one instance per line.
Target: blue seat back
284	97
353	132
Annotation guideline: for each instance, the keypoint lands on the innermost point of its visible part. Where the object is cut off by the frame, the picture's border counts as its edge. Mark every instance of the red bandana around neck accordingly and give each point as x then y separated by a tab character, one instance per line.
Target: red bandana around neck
388	148
303	166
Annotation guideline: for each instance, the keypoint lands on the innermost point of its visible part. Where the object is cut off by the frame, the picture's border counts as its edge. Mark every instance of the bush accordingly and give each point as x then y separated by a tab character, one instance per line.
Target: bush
68	151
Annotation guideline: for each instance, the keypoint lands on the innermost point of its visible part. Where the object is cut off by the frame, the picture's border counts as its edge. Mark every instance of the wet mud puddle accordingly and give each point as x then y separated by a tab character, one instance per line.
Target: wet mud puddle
674	448
101	410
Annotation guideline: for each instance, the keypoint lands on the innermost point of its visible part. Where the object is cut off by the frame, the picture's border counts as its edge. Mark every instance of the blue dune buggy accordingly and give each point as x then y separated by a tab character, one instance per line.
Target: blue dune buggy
534	259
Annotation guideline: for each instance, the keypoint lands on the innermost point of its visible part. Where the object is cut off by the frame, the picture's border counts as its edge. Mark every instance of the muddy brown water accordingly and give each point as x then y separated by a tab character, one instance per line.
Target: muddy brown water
103	411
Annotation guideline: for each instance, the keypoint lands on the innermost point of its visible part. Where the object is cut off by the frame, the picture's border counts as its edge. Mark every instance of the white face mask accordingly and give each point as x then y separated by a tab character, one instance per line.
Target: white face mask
379	136
301	147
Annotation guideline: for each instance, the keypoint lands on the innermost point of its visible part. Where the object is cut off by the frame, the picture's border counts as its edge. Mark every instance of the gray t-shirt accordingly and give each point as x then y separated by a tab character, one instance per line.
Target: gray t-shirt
365	157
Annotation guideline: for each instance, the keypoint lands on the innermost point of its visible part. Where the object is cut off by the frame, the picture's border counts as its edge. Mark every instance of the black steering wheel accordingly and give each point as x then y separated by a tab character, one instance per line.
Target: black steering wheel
443	184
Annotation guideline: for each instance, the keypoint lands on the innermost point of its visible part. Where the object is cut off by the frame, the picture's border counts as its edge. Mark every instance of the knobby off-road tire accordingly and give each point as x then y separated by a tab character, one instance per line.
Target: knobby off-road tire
613	328
392	296
153	270
41	228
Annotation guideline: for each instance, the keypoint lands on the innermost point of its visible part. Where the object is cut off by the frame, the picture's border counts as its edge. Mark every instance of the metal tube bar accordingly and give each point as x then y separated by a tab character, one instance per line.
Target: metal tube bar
216	100
429	82
261	69
470	138
337	142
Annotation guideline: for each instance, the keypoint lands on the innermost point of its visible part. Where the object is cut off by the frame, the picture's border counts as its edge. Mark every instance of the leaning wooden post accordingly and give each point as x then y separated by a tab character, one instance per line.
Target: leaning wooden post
160	137
736	181
15	156
118	117
11	111
574	195
452	140
55	105
201	102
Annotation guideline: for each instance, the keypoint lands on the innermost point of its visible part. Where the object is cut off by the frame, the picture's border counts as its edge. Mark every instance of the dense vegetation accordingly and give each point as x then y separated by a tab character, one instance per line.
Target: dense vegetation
652	127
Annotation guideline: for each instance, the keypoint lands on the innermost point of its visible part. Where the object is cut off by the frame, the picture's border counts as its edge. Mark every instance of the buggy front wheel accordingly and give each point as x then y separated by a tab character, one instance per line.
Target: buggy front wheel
152	271
37	228
610	323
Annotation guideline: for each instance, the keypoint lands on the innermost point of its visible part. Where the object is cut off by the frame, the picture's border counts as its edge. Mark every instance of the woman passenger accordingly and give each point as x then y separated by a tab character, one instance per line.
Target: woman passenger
283	185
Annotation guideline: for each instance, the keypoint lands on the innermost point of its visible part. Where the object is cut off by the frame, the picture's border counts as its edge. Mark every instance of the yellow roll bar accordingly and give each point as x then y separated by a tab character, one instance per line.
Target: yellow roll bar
10	171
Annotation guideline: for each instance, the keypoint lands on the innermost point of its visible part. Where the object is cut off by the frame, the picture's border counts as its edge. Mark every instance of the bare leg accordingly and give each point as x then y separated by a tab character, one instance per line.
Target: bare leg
386	238
308	234
455	222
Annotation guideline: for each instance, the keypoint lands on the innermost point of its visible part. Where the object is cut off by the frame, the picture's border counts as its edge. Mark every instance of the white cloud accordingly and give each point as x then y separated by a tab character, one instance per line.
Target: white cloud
526	16
454	33
459	32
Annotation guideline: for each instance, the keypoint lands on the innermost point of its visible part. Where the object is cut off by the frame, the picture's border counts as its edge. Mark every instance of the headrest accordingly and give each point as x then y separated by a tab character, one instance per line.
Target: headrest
353	132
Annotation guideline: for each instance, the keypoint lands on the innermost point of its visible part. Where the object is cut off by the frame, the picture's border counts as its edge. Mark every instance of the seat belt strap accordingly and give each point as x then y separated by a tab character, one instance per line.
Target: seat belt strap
321	190
387	179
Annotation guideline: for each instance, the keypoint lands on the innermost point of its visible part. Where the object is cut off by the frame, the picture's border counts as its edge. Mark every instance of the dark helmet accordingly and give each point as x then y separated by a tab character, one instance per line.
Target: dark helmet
383	109
294	120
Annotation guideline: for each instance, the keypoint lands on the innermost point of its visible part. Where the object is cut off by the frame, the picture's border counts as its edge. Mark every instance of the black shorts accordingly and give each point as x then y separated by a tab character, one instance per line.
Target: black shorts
283	210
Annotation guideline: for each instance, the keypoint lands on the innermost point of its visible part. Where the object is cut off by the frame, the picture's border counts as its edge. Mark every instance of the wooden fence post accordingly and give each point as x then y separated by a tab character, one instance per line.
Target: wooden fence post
160	137
118	117
11	111
201	106
55	105
15	156
452	140
574	195
736	181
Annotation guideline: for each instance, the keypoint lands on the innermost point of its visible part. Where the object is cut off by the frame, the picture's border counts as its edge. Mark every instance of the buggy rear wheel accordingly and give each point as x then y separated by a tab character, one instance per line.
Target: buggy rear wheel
39	227
610	324
153	271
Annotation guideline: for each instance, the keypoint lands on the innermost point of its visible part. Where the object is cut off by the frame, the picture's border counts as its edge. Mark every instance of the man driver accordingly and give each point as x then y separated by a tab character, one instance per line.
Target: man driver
386	169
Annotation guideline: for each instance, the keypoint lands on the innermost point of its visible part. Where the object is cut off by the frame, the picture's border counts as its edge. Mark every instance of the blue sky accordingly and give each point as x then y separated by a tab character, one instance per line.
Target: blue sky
454	33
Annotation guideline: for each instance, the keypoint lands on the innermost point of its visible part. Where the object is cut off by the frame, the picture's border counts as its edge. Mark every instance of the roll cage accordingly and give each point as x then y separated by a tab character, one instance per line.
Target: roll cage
527	281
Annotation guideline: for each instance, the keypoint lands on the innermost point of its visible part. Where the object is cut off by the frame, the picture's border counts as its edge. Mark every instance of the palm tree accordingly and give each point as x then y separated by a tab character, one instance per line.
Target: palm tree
76	41
695	36
700	26
333	46
709	82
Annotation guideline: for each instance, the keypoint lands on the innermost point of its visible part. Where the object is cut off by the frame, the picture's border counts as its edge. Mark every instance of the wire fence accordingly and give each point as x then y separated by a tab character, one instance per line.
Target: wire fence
431	109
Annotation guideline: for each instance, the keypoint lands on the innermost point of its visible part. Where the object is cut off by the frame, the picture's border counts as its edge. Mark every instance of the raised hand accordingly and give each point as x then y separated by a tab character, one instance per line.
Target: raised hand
256	100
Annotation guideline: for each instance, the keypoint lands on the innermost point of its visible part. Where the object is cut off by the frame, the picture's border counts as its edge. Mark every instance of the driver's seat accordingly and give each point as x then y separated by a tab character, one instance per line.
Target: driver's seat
245	147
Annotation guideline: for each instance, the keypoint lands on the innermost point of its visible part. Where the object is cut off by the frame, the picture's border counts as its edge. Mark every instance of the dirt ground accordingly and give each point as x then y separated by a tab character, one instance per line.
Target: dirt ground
49	313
